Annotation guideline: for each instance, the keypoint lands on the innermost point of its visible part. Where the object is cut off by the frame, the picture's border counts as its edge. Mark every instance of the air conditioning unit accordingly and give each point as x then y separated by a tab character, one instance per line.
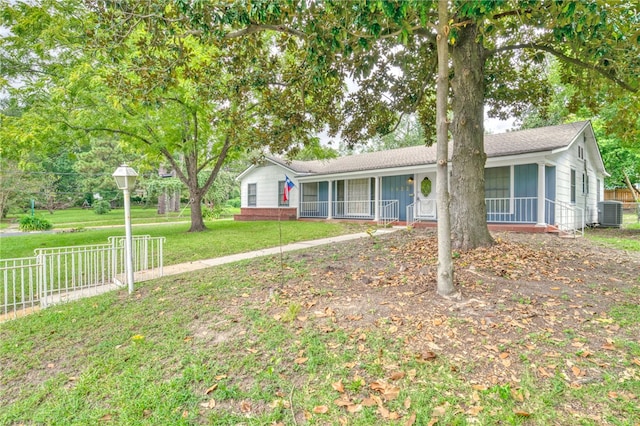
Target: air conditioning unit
610	213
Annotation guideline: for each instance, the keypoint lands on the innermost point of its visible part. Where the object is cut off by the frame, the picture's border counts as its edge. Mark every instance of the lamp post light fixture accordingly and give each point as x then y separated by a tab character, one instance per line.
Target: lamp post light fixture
125	178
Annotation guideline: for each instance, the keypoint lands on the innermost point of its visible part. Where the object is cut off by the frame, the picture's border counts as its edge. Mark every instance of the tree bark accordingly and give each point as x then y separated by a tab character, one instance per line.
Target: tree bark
634	191
468	159
197	221
445	264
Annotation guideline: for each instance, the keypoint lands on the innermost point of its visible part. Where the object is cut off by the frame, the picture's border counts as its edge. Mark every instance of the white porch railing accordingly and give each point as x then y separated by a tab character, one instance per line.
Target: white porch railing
566	217
389	212
62	274
512	210
421	210
361	209
318	209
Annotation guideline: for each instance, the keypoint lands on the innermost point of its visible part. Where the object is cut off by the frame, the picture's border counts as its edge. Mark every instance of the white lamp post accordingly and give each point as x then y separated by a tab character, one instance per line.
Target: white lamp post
126	179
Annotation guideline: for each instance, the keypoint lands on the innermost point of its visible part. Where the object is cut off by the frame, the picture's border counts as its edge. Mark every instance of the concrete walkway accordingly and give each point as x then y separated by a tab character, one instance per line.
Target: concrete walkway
208	263
194	266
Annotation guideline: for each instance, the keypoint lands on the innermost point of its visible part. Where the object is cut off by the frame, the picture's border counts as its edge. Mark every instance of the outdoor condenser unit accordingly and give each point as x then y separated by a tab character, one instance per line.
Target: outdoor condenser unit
610	213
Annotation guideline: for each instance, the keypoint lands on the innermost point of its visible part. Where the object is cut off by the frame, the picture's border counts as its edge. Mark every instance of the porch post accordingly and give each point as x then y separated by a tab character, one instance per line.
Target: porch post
330	200
542	196
376	199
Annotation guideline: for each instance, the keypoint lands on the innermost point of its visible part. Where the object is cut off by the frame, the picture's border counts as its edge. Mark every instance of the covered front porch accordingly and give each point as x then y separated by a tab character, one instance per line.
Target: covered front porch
518	213
383	199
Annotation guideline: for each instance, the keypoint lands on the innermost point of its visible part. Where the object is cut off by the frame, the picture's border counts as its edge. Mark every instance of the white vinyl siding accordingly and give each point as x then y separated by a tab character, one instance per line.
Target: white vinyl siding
267	177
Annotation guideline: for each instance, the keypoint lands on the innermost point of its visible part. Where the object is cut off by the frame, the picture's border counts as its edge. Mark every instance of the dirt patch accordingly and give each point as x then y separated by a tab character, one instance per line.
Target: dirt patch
522	302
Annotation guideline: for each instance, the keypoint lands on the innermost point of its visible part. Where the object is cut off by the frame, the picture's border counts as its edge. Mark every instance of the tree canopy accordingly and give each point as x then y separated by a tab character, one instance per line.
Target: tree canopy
143	74
498	51
195	82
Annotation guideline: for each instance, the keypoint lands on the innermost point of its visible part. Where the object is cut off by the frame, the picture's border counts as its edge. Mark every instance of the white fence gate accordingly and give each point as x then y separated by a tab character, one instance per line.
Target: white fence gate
62	274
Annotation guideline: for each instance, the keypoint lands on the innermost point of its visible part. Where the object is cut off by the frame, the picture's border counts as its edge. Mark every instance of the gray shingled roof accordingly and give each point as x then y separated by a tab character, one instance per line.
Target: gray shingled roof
497	145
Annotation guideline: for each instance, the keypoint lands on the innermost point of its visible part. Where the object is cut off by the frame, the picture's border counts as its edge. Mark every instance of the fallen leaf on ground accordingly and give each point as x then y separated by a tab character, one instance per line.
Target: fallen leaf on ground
426	356
411	420
321	409
209	404
354	408
475	410
397	375
343	401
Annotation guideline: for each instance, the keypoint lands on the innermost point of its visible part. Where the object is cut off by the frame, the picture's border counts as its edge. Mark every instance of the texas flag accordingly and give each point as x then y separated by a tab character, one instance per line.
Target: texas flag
288	185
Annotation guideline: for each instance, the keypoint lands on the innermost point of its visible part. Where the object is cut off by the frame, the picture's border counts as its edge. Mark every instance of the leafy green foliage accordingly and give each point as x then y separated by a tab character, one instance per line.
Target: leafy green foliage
96	165
101	207
34	223
211	213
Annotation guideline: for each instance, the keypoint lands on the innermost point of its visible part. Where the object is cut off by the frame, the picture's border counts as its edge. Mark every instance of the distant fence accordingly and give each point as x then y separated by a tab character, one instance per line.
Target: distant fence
620	194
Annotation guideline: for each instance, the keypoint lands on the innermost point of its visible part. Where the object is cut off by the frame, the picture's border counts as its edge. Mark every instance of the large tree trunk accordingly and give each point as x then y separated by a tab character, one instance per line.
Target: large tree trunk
445	264
195	192
468	159
197	222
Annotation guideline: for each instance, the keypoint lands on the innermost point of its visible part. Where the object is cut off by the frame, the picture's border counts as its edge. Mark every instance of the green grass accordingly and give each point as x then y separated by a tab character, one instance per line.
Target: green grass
77	217
194	349
619	238
617	242
222	238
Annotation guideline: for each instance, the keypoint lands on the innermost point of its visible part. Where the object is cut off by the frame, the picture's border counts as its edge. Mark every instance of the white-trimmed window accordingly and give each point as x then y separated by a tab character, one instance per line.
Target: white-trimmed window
310	192
252	194
497	192
358	196
573	186
309	204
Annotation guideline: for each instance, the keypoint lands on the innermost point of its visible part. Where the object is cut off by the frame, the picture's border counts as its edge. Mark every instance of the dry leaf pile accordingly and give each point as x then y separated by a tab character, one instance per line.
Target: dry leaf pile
535	302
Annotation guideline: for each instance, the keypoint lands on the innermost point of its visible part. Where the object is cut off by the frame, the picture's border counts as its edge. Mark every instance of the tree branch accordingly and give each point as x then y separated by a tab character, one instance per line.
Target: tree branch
565	58
221	158
254	28
176	167
108	129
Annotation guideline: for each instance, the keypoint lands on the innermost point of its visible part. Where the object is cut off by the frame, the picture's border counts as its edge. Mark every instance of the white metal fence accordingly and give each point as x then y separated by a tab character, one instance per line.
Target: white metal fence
512	210
19	291
318	209
421	210
566	217
361	209
389	212
61	274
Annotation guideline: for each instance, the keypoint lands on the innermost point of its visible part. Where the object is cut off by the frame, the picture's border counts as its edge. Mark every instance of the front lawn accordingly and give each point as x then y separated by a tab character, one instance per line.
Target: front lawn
84	218
546	333
222	238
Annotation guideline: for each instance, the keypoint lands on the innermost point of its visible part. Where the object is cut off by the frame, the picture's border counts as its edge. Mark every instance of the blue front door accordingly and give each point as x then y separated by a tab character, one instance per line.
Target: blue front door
398	188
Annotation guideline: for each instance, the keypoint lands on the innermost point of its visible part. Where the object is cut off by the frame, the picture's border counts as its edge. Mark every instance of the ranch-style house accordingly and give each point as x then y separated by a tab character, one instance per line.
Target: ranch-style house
541	179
